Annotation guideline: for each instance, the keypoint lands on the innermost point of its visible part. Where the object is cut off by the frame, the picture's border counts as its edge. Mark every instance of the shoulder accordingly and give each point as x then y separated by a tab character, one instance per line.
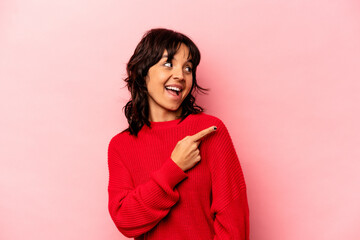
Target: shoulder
208	119
120	139
222	132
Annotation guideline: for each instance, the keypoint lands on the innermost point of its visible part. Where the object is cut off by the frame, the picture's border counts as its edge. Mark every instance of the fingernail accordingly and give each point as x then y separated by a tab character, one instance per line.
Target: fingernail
215	128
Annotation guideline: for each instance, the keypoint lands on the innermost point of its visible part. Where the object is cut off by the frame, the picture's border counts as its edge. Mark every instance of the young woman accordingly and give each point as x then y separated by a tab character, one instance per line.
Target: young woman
173	173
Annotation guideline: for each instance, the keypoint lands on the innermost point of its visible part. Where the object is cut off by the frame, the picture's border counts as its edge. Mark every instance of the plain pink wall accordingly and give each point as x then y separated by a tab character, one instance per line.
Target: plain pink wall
284	77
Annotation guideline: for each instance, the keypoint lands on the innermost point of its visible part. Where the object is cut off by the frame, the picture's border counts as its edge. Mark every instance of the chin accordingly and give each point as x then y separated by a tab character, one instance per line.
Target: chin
173	108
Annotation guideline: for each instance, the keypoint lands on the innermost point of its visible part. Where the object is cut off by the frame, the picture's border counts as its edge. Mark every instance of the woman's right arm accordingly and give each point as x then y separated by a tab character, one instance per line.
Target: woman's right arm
135	211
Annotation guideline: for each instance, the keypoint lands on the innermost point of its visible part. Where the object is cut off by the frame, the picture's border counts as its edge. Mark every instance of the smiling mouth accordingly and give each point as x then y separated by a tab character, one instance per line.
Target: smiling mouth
174	93
174	90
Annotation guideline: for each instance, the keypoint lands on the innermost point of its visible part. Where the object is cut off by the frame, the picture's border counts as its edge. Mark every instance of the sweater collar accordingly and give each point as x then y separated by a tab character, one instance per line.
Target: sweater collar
166	124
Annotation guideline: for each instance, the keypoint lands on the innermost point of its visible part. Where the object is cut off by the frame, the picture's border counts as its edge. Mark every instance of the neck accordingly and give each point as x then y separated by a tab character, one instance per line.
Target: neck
165	116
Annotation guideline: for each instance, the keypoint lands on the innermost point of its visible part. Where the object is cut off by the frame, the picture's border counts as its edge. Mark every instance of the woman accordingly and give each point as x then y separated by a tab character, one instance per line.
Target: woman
172	173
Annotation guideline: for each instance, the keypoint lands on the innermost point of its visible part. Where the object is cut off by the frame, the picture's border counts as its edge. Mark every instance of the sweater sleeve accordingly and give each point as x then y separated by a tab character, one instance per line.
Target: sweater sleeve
229	205
136	210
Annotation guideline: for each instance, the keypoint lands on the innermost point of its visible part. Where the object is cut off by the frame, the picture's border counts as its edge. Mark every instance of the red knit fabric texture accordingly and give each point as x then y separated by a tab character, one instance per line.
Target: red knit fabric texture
151	197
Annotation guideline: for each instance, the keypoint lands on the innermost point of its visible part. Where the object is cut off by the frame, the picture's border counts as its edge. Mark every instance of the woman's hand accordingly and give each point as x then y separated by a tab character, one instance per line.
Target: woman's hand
186	152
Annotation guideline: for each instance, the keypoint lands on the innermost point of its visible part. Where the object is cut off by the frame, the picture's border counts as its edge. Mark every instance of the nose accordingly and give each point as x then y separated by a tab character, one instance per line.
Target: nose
178	73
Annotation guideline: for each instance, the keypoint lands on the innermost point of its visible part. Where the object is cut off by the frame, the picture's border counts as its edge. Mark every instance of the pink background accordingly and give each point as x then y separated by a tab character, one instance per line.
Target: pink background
284	77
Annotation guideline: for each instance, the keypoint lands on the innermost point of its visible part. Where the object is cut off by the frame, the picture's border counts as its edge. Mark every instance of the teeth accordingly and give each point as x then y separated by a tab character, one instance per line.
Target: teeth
173	88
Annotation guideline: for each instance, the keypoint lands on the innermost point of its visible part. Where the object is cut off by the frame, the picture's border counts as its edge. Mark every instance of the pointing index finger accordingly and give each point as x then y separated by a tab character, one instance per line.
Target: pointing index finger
198	136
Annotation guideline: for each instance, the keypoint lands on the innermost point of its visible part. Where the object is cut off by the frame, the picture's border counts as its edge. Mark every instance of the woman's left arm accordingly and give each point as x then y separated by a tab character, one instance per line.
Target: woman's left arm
229	199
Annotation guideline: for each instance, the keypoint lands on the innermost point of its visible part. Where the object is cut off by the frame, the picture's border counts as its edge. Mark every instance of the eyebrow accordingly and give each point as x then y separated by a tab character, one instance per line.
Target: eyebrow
166	56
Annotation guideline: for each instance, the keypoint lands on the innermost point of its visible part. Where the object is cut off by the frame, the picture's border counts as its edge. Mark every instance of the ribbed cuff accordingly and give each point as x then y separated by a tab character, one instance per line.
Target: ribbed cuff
170	173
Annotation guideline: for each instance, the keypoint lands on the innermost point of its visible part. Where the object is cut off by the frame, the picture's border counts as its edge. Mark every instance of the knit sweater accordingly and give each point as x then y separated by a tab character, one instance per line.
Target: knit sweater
151	197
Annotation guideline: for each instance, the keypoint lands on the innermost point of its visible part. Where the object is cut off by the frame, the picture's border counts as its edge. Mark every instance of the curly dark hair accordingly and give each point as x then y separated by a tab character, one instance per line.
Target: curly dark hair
147	53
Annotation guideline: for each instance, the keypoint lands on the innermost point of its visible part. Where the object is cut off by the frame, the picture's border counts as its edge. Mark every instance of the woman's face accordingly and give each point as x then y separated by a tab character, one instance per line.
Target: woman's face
177	73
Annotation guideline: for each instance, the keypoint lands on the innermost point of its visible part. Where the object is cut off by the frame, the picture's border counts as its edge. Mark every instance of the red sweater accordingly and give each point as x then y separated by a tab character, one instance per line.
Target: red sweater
151	197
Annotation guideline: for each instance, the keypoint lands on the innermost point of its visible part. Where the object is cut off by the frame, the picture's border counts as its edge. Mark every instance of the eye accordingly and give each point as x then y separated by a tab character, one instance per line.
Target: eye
188	69
168	64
